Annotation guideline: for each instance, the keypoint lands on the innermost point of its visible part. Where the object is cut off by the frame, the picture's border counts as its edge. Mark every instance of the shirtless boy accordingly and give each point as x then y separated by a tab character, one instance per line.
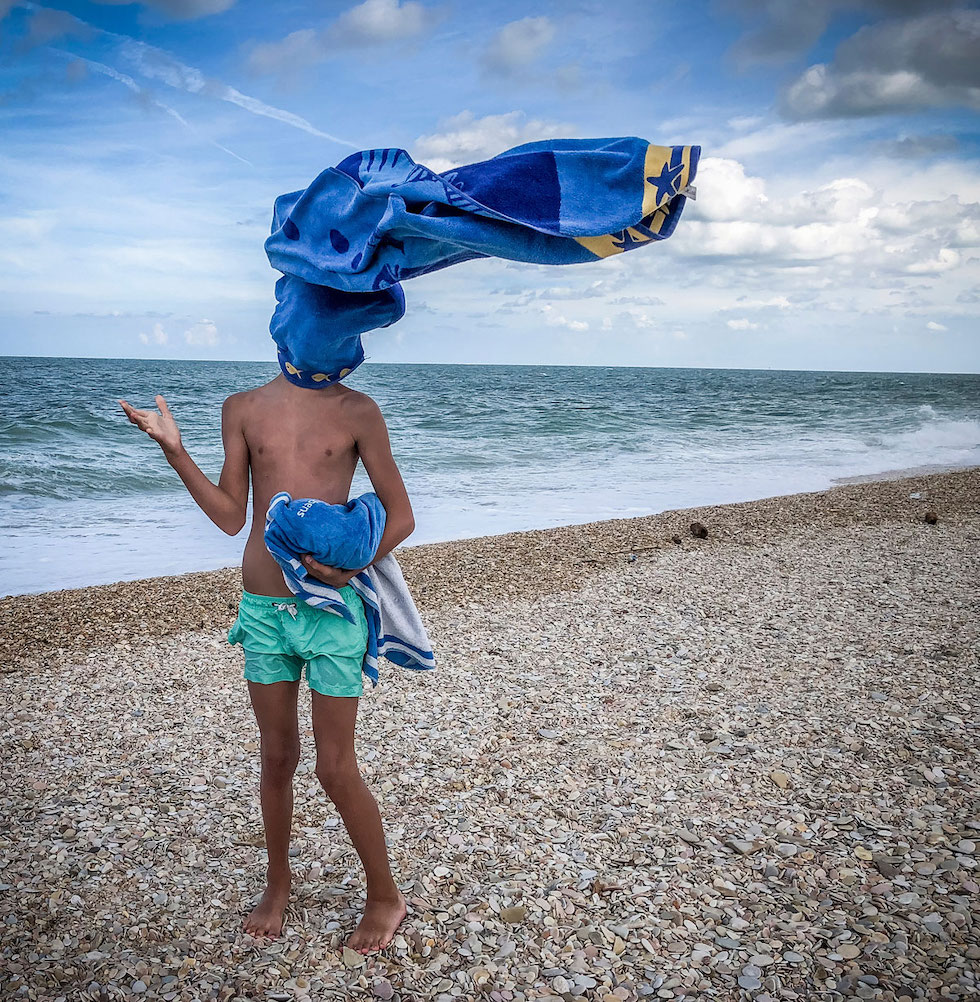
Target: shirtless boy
306	442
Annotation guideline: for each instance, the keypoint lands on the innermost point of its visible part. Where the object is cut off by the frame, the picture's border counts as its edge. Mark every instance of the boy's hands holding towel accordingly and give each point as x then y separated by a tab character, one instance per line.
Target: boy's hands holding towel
335	576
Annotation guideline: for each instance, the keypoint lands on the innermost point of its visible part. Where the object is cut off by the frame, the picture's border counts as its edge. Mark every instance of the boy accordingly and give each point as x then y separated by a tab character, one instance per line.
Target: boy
306	442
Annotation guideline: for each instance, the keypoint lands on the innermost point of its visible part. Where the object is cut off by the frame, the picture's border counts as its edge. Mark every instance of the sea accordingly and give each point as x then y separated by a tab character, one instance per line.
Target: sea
86	498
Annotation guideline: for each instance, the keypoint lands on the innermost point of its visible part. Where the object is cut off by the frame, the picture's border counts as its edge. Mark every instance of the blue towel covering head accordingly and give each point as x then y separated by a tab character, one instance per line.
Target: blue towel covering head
345	243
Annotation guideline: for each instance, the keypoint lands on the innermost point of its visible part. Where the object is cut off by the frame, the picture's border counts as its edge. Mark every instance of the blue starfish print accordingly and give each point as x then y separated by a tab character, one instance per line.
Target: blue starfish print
666	182
626	241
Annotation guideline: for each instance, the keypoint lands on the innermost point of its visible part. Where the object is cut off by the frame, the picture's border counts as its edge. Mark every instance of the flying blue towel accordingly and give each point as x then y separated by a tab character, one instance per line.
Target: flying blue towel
347	536
345	243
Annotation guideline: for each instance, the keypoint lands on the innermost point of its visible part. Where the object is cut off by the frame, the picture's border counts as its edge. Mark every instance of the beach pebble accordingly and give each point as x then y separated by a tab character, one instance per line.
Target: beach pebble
352	958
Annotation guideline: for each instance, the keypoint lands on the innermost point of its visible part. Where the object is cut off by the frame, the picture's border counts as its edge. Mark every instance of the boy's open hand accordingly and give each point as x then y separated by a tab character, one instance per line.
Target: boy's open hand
335	576
162	427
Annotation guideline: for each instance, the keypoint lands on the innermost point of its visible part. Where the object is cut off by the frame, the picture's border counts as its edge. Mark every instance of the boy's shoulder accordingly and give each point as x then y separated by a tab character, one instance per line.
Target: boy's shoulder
357	403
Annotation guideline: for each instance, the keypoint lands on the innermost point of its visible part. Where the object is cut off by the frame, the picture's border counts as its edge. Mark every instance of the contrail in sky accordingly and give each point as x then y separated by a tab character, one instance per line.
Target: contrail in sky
129	82
158	64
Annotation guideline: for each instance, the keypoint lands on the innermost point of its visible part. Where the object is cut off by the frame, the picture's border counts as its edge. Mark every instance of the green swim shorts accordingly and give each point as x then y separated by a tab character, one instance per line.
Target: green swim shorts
281	634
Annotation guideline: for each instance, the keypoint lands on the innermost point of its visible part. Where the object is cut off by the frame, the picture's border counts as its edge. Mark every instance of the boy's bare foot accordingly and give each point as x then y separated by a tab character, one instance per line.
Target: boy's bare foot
382	916
265	919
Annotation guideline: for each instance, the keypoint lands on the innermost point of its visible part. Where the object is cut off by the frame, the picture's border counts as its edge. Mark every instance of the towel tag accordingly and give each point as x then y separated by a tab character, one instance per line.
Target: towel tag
689	191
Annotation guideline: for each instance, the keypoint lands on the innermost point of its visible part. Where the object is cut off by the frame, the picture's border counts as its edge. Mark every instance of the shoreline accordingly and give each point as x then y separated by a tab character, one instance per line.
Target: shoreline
38	627
902	473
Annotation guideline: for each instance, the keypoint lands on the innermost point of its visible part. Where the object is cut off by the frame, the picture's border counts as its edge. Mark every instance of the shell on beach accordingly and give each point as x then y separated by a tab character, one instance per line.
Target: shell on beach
739	767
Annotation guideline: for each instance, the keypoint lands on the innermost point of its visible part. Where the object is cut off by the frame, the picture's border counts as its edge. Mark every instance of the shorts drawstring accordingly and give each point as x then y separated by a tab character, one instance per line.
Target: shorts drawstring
281	606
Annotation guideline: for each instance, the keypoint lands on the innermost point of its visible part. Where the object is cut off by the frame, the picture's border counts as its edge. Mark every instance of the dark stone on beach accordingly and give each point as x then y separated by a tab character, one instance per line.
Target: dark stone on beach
675	539
698	530
931	517
887	866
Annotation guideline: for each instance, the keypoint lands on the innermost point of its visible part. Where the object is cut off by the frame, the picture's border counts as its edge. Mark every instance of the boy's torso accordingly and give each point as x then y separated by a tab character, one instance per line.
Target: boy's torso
304	443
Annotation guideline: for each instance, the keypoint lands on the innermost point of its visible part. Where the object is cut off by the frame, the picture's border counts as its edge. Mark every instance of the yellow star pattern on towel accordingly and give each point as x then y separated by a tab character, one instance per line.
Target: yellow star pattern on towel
661	183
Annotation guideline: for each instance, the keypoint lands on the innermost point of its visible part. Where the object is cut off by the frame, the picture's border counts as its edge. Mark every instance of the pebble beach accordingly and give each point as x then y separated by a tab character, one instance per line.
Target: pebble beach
716	753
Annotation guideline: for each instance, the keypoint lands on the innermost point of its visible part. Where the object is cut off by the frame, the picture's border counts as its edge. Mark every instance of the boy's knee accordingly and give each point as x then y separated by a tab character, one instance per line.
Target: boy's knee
280	760
335	772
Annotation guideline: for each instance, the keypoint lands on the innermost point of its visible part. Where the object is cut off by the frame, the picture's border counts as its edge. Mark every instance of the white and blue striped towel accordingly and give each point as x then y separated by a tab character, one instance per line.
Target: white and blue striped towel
347	536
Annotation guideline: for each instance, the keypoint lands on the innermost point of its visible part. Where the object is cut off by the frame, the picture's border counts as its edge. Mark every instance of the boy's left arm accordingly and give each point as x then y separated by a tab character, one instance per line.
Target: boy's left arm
374	448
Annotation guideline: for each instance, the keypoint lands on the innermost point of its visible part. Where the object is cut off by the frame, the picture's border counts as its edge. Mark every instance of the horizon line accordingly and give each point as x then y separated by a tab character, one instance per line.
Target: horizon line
515	365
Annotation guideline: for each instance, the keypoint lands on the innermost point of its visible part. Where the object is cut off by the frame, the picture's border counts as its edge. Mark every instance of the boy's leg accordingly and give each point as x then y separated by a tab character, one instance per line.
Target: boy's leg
274	704
336	768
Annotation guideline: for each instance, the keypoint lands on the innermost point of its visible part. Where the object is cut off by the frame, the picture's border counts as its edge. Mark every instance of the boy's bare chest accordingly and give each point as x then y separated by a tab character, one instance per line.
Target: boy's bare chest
300	449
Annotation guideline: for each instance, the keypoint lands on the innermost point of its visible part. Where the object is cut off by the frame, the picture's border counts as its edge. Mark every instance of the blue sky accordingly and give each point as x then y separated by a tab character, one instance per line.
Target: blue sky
837	224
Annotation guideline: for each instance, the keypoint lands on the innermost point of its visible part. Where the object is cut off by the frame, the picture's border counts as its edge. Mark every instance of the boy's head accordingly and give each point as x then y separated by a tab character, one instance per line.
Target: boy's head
318	329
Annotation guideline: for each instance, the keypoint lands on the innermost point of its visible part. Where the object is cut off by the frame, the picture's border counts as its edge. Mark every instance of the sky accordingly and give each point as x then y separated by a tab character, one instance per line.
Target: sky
836	225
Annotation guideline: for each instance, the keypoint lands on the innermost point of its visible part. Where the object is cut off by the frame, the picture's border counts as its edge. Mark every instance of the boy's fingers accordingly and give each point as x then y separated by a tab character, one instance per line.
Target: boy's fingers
131	411
316	565
162	404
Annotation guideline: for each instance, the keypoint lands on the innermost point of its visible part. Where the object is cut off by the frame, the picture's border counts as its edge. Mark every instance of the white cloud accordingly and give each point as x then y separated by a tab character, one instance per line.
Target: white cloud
204	332
933	326
944	260
554	319
779	302
27	228
518	45
845	222
156	336
372	23
464	138
725	192
895	65
298	49
741	324
378	21
599	288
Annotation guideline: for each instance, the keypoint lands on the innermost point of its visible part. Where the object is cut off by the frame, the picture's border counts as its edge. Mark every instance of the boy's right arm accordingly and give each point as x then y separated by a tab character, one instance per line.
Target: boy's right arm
225	503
